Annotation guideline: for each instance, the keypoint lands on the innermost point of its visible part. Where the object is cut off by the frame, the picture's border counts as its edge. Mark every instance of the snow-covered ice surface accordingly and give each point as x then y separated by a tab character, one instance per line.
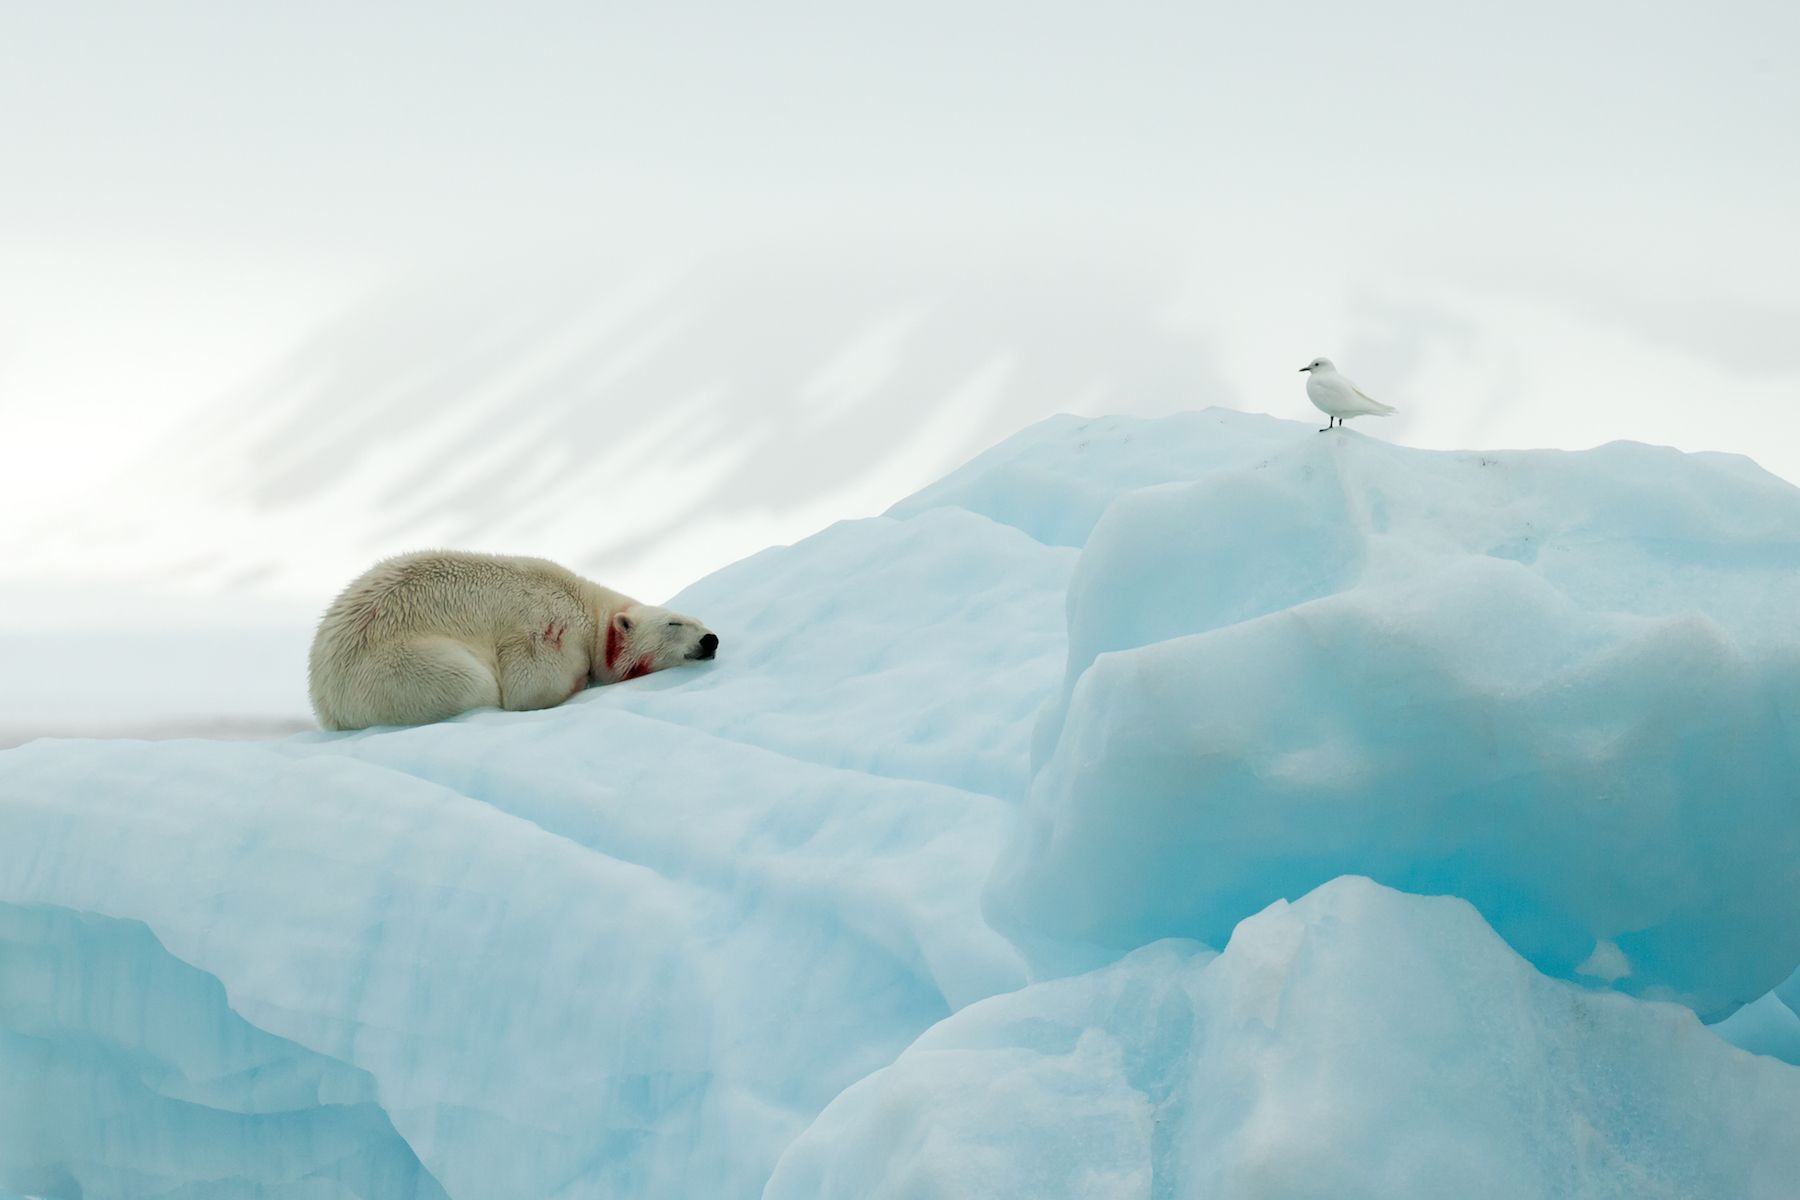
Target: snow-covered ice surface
1357	1043
1563	686
911	892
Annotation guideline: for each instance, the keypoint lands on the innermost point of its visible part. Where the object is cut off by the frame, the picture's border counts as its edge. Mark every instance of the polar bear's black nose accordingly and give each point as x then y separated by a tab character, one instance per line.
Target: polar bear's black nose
709	645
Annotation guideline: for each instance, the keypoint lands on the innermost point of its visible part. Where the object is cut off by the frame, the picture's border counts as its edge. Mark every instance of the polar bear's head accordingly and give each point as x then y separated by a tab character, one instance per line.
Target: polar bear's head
642	638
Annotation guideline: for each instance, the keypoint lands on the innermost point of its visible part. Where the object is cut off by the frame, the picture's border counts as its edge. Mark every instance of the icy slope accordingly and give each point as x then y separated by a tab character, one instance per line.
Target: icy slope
124	1073
1563	686
1359	1043
1113	681
626	947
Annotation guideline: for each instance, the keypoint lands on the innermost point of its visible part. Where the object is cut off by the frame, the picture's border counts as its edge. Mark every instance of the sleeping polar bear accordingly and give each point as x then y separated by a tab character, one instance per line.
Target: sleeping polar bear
422	637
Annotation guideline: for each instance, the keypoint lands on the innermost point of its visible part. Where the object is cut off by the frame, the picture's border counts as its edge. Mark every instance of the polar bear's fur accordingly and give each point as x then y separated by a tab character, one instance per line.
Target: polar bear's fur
422	637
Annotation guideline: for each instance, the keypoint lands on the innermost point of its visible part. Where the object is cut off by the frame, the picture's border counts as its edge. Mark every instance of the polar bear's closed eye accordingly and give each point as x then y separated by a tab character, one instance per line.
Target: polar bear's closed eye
644	638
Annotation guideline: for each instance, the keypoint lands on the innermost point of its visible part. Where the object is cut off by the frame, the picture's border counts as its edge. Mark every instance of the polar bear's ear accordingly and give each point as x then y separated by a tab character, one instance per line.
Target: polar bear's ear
621	622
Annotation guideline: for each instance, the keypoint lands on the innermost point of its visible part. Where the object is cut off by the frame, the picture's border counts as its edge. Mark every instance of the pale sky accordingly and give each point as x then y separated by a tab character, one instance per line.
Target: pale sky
920	226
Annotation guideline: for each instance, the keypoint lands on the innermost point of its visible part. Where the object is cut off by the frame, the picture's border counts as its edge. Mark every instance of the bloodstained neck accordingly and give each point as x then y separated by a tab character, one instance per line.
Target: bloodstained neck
615	651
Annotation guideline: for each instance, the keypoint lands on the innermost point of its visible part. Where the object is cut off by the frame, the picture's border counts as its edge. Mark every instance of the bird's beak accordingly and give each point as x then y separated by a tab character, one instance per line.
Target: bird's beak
1304	370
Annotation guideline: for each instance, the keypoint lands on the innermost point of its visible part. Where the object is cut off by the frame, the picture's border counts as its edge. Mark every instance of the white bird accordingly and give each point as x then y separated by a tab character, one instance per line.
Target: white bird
1337	397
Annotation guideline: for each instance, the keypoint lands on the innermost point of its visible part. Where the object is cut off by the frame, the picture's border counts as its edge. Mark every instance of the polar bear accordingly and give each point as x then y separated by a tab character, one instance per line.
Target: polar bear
421	637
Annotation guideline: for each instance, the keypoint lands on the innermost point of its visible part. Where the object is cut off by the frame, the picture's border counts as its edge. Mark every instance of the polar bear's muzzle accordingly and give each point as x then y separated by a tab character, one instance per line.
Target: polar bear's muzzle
708	648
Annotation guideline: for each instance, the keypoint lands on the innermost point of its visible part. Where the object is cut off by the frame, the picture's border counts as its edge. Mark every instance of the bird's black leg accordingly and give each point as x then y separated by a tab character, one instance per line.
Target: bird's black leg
1327	428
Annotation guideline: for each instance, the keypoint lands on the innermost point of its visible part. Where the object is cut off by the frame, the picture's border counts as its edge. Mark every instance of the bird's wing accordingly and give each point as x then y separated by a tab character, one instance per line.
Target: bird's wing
1379	406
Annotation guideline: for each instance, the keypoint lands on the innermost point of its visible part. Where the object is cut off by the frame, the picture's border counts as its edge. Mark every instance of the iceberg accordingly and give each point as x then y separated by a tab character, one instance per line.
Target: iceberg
628	946
1564	686
920	882
124	1072
1358	1043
